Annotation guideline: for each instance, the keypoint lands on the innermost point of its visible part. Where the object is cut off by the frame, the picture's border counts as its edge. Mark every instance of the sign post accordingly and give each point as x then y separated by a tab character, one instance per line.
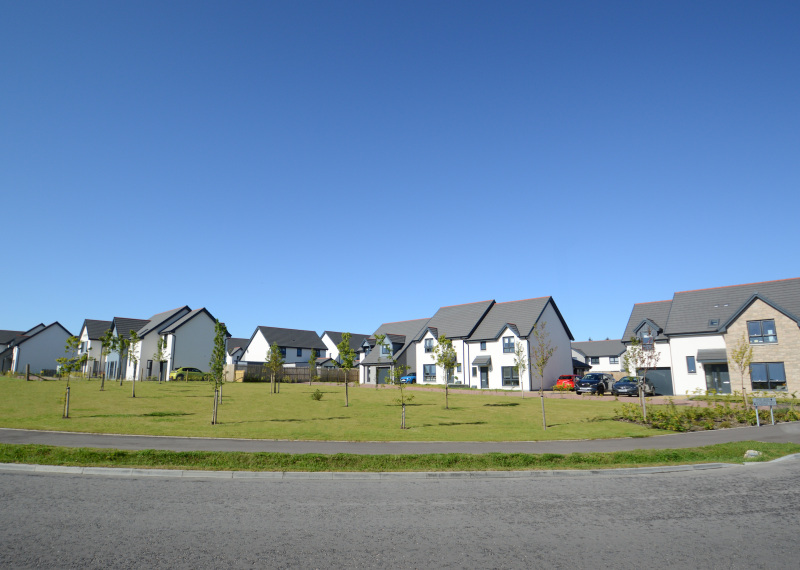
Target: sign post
771	402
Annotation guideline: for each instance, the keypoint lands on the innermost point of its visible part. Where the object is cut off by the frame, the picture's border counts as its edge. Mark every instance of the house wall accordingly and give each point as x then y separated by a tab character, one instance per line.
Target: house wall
494	349
94	348
605	365
333	352
193	343
682	346
664	356
41	350
421	358
561	360
256	351
786	350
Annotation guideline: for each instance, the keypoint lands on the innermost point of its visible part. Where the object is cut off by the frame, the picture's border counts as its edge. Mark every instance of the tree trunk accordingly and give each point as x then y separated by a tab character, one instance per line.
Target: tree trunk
446	400
133	387
544	418
744	393
102	381
346	395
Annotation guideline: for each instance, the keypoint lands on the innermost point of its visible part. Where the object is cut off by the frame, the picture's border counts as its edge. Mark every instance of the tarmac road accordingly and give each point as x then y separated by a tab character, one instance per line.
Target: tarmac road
729	517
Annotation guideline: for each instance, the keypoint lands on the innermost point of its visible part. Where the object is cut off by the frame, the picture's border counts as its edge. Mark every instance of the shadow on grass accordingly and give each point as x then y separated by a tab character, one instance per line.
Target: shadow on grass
454	424
308	420
503	405
148	415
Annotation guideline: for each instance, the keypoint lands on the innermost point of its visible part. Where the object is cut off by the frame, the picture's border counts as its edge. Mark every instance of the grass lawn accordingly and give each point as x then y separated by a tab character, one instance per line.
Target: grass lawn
250	411
310	462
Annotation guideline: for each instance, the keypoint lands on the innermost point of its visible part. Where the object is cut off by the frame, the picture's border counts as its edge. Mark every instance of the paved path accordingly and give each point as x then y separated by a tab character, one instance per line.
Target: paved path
780	433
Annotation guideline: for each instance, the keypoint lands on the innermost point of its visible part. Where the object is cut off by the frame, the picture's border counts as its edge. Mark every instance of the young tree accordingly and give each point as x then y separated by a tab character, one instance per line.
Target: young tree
346	357
107	342
133	356
541	351
379	340
741	355
638	359
312	366
446	358
274	364
160	356
396	372
217	365
520	365
70	362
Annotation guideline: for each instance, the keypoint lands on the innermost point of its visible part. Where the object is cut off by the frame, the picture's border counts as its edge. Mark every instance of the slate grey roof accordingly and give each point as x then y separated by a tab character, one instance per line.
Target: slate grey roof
95	329
234	344
34	330
185	319
158	320
657	312
692	310
523	315
458	321
124	326
37	329
292	338
599	348
7	336
578	364
355	338
408	329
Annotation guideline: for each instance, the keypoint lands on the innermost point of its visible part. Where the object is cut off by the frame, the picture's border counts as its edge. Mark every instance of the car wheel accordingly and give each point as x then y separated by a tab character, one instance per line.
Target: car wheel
179	377
600	391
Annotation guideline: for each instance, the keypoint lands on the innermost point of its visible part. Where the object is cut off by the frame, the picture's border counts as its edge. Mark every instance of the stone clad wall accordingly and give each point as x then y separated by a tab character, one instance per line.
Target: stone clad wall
786	350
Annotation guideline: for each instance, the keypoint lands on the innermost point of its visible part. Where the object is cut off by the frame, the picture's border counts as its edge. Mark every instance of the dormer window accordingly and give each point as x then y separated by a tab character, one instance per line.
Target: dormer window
428	345
508	344
385	349
713	322
647	340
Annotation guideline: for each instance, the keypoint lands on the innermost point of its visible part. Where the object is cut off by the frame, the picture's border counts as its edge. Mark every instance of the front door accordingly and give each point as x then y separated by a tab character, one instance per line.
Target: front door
484	376
717	378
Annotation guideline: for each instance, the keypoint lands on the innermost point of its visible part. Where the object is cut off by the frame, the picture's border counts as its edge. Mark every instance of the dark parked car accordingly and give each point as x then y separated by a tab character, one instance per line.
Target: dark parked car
595	383
629	386
409	378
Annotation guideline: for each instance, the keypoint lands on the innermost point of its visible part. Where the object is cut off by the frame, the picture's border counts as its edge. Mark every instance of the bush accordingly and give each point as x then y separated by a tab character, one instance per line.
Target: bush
690	418
316	395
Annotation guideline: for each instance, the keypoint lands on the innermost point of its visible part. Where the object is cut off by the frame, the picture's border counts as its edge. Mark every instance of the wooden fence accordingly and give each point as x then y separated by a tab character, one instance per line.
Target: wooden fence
258	373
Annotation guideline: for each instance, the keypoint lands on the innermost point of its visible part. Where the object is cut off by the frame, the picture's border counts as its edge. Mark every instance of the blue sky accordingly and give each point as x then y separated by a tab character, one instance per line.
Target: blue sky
336	165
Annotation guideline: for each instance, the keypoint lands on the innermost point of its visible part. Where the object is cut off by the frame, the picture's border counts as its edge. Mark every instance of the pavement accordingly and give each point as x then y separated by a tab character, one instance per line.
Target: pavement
780	433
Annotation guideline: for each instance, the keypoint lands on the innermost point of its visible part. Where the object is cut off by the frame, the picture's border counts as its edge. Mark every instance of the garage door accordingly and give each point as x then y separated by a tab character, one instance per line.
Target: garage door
383	373
662	380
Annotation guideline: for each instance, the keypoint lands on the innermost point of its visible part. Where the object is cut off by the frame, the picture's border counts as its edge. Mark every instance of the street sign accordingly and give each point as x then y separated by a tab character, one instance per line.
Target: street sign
771	402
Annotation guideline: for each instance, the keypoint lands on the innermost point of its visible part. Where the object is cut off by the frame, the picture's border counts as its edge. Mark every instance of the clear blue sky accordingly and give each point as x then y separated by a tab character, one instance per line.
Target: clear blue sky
336	165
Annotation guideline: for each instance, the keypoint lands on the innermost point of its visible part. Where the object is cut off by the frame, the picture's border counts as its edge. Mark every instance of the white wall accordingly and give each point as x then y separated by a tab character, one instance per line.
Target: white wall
494	349
605	364
40	351
664	356
680	348
256	351
333	351
561	360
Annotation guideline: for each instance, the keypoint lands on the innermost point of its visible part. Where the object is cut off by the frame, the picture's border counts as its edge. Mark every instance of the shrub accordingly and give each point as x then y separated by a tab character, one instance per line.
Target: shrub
316	395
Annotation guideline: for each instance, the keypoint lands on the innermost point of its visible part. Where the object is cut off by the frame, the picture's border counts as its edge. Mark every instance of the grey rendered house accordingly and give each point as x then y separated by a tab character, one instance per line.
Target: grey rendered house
38	348
399	345
331	339
695	331
295	345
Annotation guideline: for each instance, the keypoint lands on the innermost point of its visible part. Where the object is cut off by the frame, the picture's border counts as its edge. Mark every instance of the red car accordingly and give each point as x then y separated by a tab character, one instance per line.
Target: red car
567	380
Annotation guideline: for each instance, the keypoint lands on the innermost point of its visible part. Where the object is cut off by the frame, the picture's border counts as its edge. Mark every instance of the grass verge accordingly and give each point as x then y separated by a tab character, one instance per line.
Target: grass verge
311	462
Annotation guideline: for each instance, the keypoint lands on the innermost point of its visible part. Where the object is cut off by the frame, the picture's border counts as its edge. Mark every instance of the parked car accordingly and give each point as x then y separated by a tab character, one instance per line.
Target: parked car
568	381
186	373
410	378
629	386
595	383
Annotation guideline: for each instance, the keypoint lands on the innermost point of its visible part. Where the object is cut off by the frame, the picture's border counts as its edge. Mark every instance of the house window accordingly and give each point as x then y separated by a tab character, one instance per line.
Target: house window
595	360
83	348
761	332
690	365
508	344
283	351
713	322
483	345
299	352
613	359
458	368
386	350
428	345
429	373
474	371
767	376
510	376
321	354
647	341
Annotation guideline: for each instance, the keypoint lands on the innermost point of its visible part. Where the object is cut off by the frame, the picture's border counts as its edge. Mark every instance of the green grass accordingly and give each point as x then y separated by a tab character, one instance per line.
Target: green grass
250	411
236	461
